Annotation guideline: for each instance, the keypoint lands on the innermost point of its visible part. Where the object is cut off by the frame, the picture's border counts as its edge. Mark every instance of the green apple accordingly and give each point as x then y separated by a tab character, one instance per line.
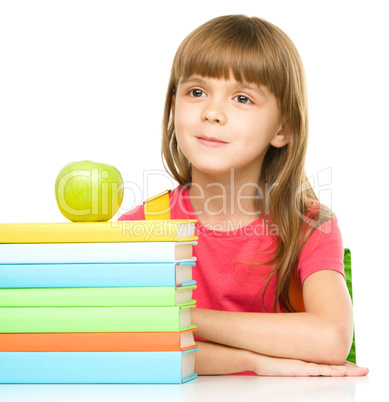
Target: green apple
87	191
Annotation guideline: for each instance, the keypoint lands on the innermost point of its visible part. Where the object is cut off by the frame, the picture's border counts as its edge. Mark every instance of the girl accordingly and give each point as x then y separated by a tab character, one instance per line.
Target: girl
235	135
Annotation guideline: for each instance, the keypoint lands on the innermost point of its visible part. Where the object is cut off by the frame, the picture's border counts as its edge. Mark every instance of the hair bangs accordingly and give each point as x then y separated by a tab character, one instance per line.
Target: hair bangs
221	51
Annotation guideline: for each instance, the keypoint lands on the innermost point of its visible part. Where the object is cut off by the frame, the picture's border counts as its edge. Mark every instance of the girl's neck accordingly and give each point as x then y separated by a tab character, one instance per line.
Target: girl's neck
224	201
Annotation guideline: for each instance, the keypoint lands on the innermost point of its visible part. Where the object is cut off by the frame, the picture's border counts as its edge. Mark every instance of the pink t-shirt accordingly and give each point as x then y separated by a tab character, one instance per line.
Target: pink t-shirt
227	272
226	275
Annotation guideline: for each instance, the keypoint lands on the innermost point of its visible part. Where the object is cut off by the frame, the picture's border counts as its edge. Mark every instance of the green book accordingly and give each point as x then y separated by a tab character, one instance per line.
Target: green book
98	297
94	319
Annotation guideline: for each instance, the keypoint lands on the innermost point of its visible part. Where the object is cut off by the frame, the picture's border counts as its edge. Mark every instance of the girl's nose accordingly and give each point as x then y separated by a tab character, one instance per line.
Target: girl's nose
213	114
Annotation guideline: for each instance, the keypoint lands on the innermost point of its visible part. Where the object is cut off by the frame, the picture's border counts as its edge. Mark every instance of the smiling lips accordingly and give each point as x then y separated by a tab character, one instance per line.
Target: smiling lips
211	141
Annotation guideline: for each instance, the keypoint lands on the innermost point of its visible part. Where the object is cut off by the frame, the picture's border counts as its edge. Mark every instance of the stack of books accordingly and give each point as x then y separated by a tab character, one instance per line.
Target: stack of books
102	302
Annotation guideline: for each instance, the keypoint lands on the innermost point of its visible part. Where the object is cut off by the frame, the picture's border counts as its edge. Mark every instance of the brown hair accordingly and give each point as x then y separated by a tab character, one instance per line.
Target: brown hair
258	52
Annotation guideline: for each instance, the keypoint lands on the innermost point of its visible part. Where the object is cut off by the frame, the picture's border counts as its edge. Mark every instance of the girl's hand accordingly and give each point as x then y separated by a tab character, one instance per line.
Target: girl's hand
279	367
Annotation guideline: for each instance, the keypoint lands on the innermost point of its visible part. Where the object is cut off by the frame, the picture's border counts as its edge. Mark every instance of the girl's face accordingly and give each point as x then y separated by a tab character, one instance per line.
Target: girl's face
224	124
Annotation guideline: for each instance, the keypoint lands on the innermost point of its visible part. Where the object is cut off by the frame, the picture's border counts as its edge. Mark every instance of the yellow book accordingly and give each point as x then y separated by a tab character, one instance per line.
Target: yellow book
99	232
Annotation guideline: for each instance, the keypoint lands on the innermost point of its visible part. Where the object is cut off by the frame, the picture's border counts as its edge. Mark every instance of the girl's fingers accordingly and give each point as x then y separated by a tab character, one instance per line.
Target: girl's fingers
274	366
344	370
352	370
325	371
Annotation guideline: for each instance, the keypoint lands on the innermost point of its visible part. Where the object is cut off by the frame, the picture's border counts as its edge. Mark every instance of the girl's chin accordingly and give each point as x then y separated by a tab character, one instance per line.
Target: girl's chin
215	171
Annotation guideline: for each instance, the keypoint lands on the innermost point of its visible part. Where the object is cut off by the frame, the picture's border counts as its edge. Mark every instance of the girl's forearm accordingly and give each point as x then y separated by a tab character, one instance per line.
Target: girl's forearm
214	359
303	336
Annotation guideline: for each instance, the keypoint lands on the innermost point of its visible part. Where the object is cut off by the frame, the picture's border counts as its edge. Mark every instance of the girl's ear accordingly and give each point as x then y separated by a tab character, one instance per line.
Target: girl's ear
282	137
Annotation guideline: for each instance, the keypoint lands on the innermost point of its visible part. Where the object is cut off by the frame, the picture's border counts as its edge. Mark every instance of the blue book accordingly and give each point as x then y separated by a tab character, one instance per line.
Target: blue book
97	367
96	275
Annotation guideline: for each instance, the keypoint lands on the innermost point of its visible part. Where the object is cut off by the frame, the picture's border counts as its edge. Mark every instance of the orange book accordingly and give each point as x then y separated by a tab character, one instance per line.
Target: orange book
97	342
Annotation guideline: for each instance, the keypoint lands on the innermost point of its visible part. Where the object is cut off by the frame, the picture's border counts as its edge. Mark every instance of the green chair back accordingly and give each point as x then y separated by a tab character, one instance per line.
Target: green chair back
352	357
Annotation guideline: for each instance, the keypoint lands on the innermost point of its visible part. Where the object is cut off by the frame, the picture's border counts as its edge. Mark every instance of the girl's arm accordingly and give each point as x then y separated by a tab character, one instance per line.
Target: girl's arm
322	334
213	359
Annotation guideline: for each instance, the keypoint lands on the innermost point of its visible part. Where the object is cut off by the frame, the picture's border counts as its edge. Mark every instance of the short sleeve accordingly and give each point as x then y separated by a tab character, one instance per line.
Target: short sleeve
322	251
136	214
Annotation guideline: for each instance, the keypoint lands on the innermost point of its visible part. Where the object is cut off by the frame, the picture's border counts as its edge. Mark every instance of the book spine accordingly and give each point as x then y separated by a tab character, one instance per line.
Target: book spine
94	252
91	367
92	319
97	342
92	232
90	275
96	297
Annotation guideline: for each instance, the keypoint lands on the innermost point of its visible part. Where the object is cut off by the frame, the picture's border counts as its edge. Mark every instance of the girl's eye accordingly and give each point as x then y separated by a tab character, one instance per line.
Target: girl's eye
242	99
196	93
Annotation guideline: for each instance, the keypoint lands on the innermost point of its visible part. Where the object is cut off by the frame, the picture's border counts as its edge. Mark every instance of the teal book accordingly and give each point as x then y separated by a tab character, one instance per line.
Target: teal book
96	275
97	367
94	319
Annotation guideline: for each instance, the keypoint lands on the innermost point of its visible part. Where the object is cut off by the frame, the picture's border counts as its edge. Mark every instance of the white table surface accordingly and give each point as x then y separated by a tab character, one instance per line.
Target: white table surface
211	388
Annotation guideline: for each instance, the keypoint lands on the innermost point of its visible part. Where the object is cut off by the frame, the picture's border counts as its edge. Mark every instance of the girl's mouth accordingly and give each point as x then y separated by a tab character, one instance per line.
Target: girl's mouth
211	141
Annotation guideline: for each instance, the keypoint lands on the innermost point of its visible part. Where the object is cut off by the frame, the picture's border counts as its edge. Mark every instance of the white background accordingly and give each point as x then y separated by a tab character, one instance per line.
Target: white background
87	80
